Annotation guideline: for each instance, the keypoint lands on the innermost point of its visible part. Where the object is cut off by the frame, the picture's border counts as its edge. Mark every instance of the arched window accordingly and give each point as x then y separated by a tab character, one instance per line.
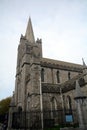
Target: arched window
53	107
64	102
54	103
19	109
69	75
58	76
69	103
81	81
42	75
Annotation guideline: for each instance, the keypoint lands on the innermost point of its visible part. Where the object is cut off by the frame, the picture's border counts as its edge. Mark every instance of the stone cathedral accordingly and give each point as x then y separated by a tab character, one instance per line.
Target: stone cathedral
44	84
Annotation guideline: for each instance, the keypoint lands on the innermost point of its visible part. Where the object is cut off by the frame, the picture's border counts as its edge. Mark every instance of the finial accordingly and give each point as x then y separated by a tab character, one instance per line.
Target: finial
29	32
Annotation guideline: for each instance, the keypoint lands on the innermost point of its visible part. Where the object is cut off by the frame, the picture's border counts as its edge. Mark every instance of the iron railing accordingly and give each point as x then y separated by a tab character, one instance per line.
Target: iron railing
32	120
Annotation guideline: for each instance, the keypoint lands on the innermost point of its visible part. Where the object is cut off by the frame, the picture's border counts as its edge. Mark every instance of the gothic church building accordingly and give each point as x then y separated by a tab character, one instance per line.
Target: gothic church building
44	84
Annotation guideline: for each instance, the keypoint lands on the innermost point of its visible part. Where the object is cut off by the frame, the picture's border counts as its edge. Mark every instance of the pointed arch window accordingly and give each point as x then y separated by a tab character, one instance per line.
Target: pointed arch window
53	107
54	103
58	76
69	103
69	75
42	75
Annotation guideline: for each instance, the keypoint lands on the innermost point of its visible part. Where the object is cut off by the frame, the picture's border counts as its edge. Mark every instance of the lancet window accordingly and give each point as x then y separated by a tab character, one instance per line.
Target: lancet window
58	76
69	75
42	75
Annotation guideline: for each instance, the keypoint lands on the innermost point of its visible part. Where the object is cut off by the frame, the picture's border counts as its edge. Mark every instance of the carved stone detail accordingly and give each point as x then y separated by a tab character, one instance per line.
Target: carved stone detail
27	79
29	49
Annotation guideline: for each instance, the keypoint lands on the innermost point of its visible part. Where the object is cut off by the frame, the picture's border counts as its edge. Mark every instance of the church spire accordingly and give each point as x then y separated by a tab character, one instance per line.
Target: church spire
29	32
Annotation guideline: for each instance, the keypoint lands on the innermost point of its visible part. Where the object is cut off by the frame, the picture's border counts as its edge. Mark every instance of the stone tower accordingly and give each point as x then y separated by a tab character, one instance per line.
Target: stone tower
28	71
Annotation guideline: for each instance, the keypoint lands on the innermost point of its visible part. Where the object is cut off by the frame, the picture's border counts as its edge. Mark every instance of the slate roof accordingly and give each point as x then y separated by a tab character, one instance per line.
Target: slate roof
45	62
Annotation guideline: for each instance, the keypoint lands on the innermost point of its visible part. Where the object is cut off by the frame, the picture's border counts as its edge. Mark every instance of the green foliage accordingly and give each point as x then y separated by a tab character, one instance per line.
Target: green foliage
4	105
62	126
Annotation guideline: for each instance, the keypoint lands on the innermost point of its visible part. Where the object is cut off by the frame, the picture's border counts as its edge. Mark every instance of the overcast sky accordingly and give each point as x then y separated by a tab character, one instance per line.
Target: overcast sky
62	25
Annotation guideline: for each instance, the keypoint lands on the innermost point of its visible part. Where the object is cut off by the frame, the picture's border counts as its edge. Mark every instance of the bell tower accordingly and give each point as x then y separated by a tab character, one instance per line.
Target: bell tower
28	71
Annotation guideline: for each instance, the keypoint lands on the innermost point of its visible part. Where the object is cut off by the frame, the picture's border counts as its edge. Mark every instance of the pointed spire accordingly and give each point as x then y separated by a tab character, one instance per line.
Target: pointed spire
29	32
78	91
84	66
83	62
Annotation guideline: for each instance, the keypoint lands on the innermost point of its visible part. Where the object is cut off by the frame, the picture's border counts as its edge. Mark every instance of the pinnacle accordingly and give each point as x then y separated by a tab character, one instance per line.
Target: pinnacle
84	67
78	90
83	62
29	32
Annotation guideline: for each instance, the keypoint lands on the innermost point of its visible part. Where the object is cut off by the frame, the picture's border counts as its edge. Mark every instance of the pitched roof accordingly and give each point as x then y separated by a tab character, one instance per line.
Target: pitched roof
61	64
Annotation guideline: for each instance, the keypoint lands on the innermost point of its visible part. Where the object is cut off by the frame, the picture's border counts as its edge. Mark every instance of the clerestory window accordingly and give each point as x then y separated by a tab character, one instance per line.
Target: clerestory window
69	75
58	76
42	75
